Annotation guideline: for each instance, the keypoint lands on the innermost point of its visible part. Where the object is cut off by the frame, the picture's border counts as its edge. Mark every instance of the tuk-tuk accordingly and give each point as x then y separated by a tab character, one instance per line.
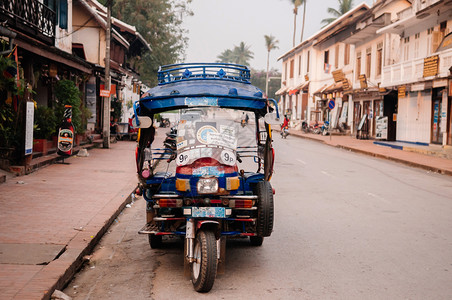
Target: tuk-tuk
210	180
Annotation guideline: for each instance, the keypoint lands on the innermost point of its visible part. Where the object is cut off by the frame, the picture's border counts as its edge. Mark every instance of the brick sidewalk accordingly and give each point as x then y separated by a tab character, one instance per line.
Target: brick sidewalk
53	217
419	160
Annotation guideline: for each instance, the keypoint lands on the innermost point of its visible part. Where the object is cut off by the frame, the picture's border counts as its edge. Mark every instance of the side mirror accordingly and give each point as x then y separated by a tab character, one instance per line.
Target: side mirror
272	119
144	122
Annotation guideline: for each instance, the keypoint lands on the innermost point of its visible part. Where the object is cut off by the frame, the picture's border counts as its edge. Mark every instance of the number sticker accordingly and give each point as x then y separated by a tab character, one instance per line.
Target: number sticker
228	157
183	158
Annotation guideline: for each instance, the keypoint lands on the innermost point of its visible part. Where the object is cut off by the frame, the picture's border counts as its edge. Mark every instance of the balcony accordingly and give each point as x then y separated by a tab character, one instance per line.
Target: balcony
30	17
413	71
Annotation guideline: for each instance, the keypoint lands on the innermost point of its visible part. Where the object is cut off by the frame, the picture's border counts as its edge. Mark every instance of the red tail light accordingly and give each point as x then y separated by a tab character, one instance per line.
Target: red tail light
241	203
170	202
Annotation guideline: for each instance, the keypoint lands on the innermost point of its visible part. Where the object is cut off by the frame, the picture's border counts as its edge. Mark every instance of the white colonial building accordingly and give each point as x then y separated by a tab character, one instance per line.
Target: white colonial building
387	64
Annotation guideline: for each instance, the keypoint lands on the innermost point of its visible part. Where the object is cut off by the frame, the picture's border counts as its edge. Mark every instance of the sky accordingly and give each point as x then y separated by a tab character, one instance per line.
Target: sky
218	25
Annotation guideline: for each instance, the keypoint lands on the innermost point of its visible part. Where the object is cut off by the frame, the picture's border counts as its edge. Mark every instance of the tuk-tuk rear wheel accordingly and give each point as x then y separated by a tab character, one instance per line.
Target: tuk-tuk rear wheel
256	240
264	209
155	241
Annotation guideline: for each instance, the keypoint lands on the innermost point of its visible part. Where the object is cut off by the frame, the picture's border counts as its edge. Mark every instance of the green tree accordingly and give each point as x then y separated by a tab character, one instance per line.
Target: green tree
270	43
344	6
160	23
242	54
225	56
259	79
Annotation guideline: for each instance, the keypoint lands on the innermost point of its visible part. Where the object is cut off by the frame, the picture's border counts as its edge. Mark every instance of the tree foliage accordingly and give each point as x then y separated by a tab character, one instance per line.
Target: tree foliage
160	23
344	6
258	78
241	55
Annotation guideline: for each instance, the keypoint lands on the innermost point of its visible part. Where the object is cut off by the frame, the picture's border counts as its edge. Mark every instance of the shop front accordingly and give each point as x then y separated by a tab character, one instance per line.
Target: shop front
368	108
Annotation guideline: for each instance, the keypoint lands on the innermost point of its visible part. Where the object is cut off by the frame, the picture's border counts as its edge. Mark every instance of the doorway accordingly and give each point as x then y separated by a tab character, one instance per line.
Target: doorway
437	135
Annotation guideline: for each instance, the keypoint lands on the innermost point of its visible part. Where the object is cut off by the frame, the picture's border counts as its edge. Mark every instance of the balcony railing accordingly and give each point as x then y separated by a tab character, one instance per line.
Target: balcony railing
412	71
31	17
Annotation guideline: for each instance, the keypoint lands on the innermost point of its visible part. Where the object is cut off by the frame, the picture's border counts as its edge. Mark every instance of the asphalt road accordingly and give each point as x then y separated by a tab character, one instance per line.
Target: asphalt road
347	226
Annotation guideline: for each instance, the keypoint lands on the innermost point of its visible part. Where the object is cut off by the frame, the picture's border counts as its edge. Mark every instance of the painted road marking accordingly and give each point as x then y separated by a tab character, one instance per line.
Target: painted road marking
299	160
326	173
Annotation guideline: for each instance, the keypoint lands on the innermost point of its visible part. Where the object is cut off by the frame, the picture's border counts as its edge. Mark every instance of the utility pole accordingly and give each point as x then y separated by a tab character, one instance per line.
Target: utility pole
106	106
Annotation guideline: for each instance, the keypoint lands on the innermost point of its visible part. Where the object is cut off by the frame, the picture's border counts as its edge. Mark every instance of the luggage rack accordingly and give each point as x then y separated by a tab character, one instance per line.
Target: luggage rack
196	71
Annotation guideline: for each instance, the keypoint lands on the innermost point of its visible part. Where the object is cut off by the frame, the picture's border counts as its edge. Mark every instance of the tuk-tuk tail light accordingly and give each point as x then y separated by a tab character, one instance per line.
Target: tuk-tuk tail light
169	202
232	183
241	203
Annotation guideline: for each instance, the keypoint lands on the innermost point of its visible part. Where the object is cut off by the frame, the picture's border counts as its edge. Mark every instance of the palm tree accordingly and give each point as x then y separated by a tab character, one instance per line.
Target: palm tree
242	54
296	3
344	6
270	43
304	18
225	56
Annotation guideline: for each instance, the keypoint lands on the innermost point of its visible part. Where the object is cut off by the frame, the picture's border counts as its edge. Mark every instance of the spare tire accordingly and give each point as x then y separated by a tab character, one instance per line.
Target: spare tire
265	208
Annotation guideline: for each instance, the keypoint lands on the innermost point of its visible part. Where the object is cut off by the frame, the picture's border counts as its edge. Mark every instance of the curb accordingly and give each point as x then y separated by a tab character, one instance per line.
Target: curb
402	161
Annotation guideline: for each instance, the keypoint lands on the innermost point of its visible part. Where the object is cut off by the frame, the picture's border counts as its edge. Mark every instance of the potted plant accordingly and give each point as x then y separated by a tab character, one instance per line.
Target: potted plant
46	123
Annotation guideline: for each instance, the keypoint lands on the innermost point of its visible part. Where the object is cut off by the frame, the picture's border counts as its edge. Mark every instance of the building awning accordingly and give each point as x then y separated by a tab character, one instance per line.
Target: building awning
293	91
303	86
320	91
335	87
282	91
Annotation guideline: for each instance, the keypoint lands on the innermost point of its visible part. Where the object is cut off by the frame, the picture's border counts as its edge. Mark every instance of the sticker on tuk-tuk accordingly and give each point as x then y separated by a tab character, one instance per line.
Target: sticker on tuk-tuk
201	101
204	132
228	157
182	144
228	130
223	140
208	171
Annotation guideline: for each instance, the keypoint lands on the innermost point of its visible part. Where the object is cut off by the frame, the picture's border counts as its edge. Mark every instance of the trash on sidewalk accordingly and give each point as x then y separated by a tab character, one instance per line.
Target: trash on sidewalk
128	205
59	295
83	153
20	182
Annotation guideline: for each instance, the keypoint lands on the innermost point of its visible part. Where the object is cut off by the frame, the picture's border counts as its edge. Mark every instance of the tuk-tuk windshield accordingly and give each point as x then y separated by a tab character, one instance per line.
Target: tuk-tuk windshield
212	132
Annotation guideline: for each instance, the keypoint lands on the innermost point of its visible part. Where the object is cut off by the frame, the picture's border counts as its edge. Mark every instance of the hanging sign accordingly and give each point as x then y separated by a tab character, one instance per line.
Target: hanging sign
104	93
431	66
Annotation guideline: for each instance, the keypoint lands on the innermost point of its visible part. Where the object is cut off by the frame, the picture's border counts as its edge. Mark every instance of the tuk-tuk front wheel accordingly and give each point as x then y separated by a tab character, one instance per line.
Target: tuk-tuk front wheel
265	209
204	268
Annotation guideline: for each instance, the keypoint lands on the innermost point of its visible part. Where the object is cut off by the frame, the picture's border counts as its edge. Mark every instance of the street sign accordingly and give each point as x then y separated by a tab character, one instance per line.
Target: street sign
331	104
104	93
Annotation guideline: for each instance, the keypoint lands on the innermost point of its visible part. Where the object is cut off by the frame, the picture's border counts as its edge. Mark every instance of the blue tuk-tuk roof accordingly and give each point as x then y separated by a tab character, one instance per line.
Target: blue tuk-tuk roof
202	84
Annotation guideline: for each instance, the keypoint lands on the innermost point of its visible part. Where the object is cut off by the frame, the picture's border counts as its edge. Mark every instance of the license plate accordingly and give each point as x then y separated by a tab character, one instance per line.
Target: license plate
208	212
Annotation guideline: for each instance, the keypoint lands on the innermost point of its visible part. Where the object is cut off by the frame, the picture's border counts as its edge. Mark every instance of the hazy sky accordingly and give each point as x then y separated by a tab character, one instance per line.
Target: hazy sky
218	25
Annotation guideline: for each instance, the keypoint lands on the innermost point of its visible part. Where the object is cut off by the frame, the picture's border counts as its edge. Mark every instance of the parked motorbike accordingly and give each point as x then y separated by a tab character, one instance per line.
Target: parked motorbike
305	126
325	129
314	127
